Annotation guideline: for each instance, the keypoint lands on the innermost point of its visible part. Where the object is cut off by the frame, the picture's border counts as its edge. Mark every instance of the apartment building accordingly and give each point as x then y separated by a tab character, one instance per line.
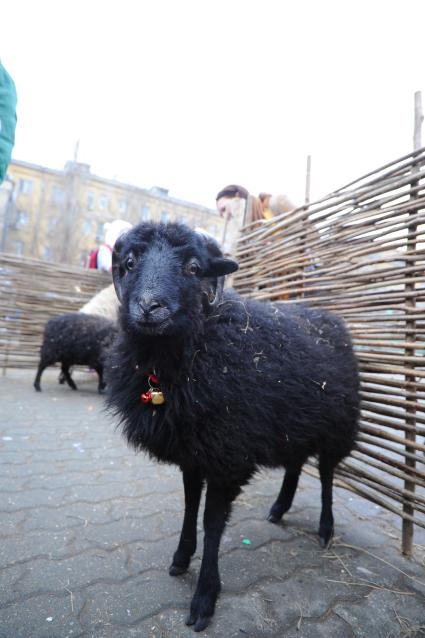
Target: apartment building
59	215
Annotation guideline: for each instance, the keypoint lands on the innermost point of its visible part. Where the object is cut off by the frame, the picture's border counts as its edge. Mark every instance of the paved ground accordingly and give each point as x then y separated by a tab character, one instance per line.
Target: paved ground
88	529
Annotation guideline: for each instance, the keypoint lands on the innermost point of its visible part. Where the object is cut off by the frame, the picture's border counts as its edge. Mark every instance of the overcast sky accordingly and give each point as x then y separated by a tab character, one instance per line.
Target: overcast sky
194	94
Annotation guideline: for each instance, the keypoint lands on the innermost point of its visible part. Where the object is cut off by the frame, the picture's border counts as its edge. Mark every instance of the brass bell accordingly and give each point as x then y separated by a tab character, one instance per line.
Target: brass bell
157	397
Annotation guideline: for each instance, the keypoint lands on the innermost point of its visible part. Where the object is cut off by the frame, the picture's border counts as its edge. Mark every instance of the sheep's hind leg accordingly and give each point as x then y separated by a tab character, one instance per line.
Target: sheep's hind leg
67	376
42	366
193	485
217	510
326	527
286	495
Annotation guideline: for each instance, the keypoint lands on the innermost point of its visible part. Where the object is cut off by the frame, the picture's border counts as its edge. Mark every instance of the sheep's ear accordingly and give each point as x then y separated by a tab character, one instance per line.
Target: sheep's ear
219	266
116	274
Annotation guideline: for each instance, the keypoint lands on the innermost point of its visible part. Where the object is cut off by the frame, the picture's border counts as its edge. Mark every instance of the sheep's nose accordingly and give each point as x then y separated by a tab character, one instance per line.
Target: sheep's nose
148	305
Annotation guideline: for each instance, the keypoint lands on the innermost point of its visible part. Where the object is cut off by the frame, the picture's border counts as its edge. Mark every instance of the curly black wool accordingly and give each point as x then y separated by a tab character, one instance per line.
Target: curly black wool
246	384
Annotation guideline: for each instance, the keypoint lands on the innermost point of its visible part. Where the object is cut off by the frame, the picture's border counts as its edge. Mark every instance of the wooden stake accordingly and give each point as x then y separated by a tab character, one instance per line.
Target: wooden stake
410	435
307	180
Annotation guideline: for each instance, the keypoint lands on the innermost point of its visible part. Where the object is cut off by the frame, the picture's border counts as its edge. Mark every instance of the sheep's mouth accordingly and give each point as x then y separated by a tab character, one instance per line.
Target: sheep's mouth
151	323
154	327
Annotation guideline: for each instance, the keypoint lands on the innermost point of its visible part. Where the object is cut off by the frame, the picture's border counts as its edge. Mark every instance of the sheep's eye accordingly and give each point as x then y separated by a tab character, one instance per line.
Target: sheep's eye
130	263
192	268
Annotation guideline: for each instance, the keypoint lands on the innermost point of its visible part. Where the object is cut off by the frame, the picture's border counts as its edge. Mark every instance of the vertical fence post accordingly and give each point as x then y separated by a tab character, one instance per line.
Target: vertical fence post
307	180
411	396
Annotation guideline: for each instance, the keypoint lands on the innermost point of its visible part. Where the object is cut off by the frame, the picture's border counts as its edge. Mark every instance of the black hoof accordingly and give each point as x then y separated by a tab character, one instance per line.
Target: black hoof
175	570
325	544
203	606
275	514
273	519
325	538
199	623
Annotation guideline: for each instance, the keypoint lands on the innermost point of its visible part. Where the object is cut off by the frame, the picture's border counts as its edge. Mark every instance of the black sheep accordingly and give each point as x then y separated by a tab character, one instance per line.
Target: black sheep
72	339
246	385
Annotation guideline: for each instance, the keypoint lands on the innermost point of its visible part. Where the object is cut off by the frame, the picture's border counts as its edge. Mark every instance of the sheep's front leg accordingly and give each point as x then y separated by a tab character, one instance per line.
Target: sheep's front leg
217	510
193	484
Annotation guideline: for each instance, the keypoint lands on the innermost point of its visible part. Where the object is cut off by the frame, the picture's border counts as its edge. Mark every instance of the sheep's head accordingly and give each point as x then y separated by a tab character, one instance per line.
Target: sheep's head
165	276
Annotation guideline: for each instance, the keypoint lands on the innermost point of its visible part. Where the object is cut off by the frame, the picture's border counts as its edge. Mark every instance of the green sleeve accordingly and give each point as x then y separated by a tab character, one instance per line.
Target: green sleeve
7	119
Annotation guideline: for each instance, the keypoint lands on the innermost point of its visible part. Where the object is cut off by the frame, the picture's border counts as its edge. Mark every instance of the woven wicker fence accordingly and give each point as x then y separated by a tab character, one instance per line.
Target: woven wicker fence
360	252
32	291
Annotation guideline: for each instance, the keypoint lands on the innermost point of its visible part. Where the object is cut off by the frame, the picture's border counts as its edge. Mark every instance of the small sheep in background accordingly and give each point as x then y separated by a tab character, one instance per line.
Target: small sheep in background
75	339
222	386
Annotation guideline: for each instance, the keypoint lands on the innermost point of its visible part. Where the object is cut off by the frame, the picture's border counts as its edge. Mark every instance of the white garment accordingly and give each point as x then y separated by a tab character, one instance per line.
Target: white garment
233	211
104	259
112	231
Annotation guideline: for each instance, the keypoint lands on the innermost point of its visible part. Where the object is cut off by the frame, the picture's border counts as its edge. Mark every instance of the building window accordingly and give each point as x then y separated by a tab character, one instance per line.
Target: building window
165	216
122	205
99	231
145	214
58	195
25	186
87	228
18	247
47	253
103	202
51	224
21	219
90	201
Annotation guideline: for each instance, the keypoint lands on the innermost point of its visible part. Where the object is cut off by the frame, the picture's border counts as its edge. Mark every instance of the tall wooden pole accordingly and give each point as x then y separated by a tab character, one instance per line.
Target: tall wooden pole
410	414
307	180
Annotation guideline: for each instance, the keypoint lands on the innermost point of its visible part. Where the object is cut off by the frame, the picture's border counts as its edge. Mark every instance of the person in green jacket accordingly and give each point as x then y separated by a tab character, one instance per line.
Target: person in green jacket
7	119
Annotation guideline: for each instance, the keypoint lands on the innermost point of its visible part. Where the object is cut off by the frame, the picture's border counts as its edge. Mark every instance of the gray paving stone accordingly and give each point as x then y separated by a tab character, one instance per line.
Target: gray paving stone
141	630
309	593
122	532
10	522
171	504
330	627
13	457
384	614
13	485
128	602
73	573
241	567
43	616
29	498
66	516
9	578
248	614
40	543
88	529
